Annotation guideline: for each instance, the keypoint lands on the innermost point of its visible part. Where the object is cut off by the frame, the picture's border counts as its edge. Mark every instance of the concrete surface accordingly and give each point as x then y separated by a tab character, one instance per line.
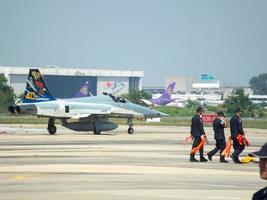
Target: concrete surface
150	164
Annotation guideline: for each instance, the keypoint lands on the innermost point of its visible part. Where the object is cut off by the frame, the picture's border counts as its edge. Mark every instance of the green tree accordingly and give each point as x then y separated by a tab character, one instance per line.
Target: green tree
238	99
177	112
259	84
135	96
7	95
191	104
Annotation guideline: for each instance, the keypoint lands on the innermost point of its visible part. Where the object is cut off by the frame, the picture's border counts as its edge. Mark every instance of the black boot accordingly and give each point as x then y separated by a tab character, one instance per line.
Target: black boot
209	156
192	158
212	153
222	160
235	159
203	159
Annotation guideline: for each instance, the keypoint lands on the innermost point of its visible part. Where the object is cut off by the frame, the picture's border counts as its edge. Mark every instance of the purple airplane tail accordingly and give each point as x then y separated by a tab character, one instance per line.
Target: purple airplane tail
84	91
165	98
168	91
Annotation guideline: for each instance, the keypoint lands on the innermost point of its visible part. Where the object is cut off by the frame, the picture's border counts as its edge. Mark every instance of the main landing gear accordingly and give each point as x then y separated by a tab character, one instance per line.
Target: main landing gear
96	131
130	129
97	123
52	129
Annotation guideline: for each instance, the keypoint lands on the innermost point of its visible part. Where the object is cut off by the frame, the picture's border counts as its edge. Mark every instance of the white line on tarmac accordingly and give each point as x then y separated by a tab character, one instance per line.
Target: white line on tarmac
219	197
225	186
120	169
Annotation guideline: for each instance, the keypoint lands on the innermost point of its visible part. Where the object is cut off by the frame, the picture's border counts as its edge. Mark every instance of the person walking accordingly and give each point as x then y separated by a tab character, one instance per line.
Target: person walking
218	126
198	133
237	135
262	154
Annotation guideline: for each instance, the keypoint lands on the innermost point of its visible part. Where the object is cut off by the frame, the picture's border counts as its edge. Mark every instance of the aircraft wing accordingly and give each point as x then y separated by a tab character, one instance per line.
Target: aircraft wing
87	111
147	102
112	113
78	116
86	115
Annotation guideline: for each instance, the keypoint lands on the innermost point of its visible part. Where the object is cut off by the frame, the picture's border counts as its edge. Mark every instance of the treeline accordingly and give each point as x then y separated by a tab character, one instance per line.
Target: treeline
7	95
238	99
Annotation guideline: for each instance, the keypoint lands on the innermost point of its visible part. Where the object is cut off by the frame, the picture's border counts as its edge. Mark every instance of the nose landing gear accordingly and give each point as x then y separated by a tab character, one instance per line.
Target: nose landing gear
52	129
130	129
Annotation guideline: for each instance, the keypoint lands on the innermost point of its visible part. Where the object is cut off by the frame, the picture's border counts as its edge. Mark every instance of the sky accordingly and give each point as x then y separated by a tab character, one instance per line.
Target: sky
225	38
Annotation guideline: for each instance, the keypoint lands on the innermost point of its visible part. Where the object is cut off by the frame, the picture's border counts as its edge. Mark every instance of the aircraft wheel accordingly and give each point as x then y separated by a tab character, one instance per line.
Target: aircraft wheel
52	129
130	130
97	132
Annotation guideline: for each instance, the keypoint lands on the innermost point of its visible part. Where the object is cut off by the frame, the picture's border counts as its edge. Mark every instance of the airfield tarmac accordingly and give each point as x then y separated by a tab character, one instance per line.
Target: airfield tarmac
150	164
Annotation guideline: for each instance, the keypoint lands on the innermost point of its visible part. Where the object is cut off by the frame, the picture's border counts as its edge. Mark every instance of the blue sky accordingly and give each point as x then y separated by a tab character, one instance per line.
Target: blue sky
162	38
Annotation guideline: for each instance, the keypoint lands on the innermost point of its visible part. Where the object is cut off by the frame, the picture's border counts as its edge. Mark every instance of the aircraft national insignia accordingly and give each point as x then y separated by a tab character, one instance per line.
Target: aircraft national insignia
36	75
84	90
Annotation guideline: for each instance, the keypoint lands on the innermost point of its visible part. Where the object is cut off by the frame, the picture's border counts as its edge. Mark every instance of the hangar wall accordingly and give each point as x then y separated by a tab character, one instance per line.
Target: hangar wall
18	83
65	82
110	84
68	86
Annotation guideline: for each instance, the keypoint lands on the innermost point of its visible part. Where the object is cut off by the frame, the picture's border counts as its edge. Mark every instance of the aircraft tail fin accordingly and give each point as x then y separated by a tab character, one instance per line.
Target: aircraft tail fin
84	90
168	91
36	89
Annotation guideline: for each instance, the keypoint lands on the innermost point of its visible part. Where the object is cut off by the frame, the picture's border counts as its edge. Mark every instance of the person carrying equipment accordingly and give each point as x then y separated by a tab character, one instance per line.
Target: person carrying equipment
218	127
237	135
198	134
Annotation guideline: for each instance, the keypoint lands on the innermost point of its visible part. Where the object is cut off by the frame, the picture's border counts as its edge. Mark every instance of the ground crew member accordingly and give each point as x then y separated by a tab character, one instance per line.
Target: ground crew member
218	127
262	154
237	130
197	132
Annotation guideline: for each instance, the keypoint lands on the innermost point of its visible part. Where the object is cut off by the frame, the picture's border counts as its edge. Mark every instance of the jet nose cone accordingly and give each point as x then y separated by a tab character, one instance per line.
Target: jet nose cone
155	113
161	114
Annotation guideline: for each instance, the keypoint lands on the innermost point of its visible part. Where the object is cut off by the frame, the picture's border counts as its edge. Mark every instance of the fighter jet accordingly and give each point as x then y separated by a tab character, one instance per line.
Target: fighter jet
92	113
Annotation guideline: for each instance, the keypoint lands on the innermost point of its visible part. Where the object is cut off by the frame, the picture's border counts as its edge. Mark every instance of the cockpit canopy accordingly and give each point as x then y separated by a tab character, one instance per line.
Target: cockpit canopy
115	98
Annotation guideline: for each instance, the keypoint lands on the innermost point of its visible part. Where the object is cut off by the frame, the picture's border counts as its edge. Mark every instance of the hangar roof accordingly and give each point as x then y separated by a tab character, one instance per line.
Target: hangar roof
54	70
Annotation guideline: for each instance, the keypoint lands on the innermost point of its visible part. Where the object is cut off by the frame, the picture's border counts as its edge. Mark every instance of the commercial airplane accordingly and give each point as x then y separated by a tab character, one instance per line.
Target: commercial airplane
92	112
164	99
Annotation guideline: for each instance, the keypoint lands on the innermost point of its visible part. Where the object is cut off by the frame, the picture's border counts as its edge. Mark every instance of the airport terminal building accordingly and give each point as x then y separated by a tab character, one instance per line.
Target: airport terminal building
65	82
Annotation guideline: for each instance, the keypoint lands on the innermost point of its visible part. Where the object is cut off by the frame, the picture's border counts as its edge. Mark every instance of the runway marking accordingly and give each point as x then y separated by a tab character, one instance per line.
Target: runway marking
225	186
119	169
219	197
21	177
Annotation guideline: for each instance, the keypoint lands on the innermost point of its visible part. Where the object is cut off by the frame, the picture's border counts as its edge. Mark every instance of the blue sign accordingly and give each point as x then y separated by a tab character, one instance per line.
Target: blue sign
207	77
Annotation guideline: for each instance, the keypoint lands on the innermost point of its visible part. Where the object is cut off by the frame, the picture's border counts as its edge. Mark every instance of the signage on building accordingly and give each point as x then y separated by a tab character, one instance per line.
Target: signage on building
208	118
207	77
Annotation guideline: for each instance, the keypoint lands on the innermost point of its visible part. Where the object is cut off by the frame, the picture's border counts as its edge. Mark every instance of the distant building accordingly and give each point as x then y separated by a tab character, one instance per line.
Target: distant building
154	90
227	91
65	82
207	84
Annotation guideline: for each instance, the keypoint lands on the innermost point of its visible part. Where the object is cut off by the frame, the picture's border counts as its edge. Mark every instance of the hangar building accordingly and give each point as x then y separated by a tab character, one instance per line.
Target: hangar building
66	82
